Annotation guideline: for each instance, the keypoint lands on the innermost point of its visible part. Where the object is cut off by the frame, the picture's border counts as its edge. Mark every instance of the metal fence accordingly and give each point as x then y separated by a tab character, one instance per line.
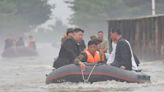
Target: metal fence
146	35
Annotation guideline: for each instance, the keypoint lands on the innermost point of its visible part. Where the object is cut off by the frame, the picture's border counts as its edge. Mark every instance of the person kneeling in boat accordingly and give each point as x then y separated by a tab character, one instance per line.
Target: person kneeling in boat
90	55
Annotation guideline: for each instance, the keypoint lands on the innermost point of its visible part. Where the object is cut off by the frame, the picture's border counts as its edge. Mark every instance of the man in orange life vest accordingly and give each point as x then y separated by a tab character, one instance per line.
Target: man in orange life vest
90	55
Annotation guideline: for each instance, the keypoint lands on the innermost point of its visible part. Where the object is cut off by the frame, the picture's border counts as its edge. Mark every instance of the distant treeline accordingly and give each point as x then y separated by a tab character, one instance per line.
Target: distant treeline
92	14
18	16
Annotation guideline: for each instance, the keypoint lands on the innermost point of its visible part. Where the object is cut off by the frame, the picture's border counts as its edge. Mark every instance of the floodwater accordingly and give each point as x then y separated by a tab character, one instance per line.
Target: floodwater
28	74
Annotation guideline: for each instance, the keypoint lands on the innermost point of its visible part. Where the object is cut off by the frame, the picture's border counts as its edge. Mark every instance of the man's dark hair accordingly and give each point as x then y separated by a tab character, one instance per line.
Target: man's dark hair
92	42
93	37
118	31
69	30
78	30
100	32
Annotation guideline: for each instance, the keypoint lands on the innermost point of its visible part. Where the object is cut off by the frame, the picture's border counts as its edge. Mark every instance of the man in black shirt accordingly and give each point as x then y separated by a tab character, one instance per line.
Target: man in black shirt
20	42
124	57
69	49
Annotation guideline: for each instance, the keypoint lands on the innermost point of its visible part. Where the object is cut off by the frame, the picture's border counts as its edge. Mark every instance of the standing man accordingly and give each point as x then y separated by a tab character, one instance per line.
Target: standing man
69	49
31	42
124	56
103	46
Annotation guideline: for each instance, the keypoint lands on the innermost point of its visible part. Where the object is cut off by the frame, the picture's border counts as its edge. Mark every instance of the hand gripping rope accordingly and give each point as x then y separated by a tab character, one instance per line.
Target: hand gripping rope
87	79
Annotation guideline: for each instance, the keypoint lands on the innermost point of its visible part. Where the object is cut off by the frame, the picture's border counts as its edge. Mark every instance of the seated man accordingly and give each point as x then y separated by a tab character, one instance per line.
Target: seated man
31	42
91	55
103	46
69	49
124	56
20	42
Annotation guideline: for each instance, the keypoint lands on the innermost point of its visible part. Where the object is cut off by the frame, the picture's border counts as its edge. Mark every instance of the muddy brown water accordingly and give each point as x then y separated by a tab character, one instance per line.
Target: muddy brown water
28	75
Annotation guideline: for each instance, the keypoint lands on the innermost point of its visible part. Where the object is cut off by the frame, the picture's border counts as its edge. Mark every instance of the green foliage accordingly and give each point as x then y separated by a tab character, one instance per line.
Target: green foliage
35	11
7	6
97	12
55	34
20	15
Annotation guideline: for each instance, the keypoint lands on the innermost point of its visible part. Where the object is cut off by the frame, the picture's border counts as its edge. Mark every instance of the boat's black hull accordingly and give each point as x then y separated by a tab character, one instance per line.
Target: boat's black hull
102	72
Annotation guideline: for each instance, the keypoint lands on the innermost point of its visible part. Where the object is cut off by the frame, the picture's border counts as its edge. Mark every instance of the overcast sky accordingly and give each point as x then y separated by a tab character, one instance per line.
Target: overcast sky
60	11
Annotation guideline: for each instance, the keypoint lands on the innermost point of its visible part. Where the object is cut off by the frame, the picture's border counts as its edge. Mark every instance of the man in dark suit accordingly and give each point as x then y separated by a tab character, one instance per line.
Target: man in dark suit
69	49
124	56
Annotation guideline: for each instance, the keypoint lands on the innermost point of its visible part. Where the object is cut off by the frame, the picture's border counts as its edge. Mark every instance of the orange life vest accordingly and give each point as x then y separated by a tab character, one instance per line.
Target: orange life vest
98	57
31	44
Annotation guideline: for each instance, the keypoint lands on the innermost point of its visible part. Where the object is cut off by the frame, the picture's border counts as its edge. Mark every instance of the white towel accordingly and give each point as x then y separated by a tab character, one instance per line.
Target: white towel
134	65
112	55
